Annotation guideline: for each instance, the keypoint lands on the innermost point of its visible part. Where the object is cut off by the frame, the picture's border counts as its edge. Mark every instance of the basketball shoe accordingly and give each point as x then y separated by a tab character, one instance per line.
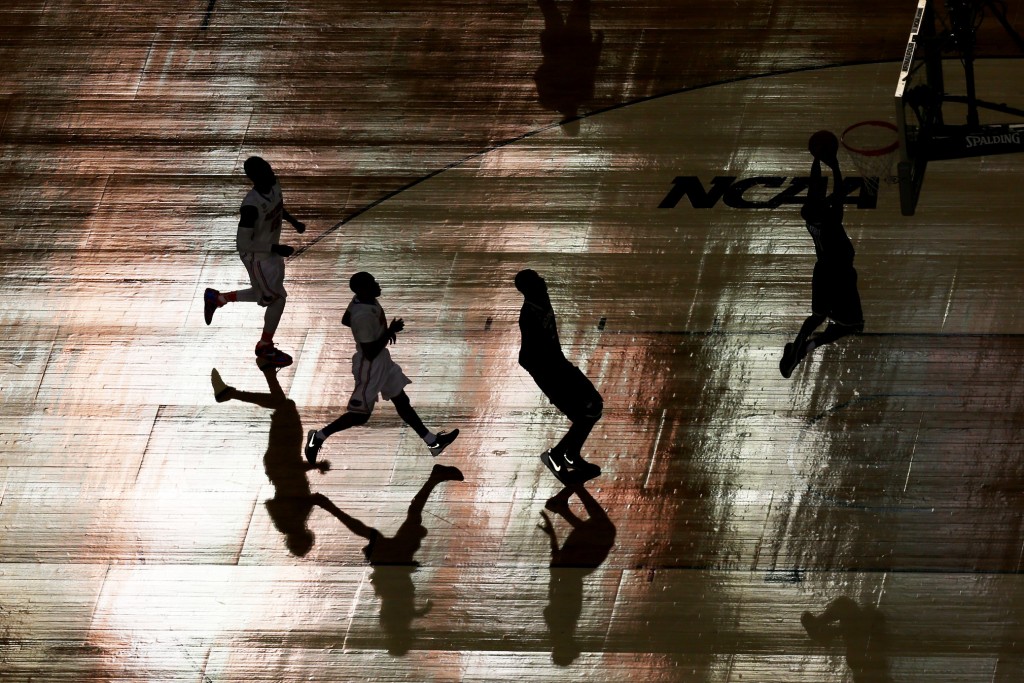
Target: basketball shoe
443	440
313	444
791	357
585	470
557	465
269	356
210	304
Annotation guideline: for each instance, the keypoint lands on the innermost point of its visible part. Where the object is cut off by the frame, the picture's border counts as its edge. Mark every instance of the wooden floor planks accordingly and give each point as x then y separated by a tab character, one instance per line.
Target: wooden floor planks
151	533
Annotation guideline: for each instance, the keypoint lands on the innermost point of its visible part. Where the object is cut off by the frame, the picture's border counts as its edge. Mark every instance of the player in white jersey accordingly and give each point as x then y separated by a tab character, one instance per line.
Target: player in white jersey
374	371
261	251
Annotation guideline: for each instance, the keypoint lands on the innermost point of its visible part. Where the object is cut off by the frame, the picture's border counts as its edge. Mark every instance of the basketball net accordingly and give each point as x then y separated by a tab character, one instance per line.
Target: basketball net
873	146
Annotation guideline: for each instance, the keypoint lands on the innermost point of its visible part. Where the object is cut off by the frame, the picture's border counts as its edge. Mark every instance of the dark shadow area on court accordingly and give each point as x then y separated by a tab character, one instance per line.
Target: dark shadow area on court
582	551
283	462
571	52
392	559
861	630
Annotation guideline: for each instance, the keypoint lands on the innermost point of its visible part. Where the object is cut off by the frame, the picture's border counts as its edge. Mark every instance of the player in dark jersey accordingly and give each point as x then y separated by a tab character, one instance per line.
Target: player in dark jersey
562	382
834	295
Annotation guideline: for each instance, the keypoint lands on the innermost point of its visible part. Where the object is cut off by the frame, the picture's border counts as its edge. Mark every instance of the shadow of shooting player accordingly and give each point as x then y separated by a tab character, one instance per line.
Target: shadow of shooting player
863	632
393	563
562	382
834	295
582	551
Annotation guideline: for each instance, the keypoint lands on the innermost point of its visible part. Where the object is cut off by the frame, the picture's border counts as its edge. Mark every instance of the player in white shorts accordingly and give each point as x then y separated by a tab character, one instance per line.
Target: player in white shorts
374	371
259	246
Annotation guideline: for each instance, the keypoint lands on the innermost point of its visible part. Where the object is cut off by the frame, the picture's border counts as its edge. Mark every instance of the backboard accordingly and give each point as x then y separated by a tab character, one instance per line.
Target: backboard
919	93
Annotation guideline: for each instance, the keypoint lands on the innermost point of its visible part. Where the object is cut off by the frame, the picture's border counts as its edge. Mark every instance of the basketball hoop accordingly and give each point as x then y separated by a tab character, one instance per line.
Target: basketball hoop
873	146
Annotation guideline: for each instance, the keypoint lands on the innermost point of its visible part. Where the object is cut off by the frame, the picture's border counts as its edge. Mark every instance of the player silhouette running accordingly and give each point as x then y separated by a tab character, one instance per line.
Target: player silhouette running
374	371
261	251
293	501
392	559
562	382
834	295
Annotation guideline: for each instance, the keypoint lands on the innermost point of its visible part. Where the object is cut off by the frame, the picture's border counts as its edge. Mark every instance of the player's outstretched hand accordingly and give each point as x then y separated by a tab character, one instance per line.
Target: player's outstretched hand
282	249
299	226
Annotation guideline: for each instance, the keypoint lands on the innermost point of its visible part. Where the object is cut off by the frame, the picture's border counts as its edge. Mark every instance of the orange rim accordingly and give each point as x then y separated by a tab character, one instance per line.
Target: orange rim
869	152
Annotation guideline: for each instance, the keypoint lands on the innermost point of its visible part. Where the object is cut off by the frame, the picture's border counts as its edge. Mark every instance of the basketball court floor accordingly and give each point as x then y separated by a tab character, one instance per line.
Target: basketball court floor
151	533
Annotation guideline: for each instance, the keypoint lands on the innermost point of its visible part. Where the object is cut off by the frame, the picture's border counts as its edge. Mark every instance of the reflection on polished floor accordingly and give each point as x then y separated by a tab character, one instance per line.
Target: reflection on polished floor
859	521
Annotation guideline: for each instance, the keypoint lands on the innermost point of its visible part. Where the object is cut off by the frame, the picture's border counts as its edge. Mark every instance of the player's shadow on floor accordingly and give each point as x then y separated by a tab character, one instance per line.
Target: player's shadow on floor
582	551
862	631
284	463
570	55
393	563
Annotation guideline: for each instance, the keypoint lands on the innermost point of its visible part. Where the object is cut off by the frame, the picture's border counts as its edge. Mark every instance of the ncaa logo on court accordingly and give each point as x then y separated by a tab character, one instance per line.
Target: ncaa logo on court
760	192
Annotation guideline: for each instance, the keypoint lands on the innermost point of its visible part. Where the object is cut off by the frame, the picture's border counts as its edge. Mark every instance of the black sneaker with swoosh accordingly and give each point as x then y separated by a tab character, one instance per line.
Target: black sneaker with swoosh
313	445
560	470
586	471
443	440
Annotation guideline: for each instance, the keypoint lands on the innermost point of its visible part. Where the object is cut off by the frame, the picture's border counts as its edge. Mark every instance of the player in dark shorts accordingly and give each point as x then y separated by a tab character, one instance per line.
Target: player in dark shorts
834	295
562	382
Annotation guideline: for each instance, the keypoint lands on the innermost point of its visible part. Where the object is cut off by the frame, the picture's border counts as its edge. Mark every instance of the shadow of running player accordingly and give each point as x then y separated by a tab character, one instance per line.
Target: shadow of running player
393	563
863	632
283	462
570	54
582	551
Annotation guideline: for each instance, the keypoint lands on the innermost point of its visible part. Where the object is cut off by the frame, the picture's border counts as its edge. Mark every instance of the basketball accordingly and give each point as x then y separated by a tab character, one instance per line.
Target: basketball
823	145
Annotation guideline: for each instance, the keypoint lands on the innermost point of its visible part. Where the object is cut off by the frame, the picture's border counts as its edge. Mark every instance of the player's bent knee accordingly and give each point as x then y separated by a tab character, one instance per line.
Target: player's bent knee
268	300
588	412
358	410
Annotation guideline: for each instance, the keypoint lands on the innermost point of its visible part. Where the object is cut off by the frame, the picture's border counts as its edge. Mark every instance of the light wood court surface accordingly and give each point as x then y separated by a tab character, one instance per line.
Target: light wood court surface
149	533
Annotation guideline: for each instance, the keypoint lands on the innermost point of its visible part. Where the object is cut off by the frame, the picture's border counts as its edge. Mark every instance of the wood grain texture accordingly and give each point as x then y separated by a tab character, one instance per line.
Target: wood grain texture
151	533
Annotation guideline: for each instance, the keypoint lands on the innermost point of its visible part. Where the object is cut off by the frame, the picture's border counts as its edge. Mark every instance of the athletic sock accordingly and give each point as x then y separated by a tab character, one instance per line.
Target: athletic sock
430	438
320	436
